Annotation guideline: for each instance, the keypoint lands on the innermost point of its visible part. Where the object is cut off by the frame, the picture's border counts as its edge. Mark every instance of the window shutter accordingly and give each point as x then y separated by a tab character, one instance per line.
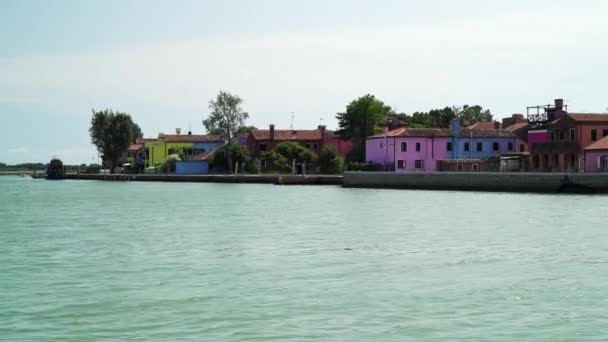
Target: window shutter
599	162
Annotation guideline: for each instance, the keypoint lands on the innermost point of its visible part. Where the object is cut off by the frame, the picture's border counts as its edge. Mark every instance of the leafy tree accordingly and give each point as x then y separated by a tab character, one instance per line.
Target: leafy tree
2	165
245	129
361	119
285	153
170	163
469	115
226	117
137	133
112	133
329	160
237	152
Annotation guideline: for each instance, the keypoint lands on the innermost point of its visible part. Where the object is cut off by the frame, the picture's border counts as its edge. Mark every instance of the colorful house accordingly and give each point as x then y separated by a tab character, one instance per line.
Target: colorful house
261	141
596	156
411	149
408	149
187	145
567	136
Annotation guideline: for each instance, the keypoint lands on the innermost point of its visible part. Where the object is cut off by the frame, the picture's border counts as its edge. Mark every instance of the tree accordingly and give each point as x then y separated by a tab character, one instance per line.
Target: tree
469	115
235	151
137	133
361	119
112	133
2	165
286	153
226	117
329	160
245	130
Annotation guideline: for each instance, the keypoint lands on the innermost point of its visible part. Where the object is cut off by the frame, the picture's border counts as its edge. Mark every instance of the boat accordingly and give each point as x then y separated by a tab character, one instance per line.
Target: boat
55	170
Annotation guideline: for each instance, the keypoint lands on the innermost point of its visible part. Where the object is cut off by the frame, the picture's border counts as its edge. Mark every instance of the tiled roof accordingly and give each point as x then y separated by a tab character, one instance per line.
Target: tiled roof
601	144
135	147
485	126
284	135
589	117
515	127
495	133
204	156
190	138
444	132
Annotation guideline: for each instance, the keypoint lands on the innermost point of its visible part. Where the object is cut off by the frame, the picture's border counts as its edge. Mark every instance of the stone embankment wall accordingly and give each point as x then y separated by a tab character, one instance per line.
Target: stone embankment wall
482	181
256	179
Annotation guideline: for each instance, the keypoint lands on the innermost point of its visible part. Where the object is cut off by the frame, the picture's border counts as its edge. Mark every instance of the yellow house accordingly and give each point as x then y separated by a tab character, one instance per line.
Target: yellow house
187	145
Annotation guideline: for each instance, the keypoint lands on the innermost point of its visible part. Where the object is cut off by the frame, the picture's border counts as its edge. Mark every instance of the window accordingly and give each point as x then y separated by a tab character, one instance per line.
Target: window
522	147
381	145
495	146
510	146
315	146
572	134
479	147
262	147
308	146
403	147
187	152
604	132
449	146
419	164
401	164
147	153
552	135
467	147
459	167
475	167
171	151
417	147
593	134
562	135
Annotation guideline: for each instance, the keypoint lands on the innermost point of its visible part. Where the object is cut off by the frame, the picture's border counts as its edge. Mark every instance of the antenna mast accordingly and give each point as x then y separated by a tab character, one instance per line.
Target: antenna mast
292	117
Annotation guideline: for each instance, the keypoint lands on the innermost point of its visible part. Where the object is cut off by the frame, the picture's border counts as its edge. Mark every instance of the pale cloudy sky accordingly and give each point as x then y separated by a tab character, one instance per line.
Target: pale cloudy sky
162	61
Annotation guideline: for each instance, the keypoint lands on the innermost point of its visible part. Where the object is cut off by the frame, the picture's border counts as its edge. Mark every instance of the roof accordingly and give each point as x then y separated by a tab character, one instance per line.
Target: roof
515	127
601	144
190	138
593	117
135	147
204	156
444	133
485	126
287	134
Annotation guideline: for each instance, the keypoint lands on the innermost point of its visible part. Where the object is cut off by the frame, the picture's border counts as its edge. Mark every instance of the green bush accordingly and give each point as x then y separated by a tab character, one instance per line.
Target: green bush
330	161
364	167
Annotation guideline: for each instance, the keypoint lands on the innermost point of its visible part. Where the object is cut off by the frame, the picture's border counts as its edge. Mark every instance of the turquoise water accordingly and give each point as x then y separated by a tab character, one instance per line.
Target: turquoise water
102	261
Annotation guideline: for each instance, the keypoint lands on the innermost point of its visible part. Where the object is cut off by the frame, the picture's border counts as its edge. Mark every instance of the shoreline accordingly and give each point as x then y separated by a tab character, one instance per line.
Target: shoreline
515	182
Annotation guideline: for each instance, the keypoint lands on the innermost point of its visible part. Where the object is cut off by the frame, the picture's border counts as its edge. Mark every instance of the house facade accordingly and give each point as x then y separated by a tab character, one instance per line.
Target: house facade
411	149
187	145
568	135
596	156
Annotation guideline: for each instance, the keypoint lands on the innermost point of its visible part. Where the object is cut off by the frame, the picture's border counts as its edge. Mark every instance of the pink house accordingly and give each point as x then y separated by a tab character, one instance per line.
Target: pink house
407	149
596	156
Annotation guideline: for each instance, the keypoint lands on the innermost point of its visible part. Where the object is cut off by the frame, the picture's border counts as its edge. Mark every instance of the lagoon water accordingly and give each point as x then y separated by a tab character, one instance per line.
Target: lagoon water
103	261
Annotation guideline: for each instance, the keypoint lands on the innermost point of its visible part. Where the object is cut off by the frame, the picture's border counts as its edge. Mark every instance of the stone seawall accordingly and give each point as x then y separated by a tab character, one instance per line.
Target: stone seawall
482	181
254	179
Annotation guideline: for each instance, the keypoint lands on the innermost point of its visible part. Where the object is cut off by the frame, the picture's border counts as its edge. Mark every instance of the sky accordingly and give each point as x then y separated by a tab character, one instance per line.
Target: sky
162	61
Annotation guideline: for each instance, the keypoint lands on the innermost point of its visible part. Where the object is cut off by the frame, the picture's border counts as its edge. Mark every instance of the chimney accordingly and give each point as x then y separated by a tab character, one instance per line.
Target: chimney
456	127
518	118
496	125
559	104
271	131
178	131
322	129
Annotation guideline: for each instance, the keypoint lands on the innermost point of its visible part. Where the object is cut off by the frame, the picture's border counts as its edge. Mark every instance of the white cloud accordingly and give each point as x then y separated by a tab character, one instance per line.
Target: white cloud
18	150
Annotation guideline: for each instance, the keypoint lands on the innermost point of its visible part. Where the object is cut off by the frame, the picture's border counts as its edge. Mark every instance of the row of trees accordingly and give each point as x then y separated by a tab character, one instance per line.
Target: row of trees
113	132
364	115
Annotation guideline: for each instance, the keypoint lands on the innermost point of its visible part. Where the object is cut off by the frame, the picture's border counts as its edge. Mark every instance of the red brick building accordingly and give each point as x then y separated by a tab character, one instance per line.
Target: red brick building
264	140
568	136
